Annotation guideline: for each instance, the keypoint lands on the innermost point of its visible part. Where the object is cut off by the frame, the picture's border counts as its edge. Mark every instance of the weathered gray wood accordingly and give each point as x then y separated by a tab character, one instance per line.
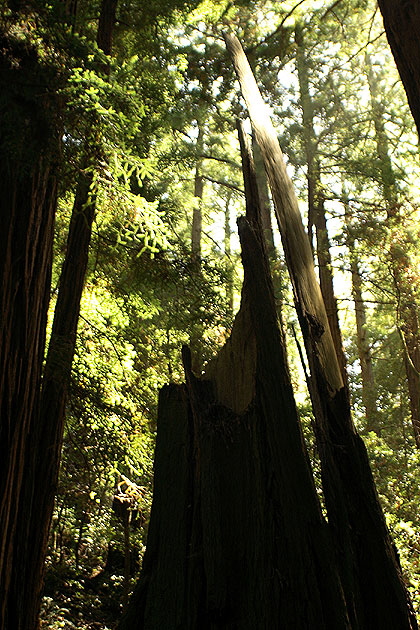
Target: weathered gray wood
294	238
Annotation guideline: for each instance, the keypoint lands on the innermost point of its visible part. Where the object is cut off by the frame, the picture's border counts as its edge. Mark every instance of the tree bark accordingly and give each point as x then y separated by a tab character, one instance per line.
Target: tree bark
47	437
196	236
363	349
264	199
402	26
228	252
277	267
197	220
363	544
236	537
29	144
44	436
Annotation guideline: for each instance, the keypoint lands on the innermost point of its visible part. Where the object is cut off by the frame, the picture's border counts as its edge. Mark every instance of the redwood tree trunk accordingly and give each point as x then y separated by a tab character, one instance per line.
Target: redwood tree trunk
197	219
375	593
277	268
29	142
40	462
46	438
236	536
402	26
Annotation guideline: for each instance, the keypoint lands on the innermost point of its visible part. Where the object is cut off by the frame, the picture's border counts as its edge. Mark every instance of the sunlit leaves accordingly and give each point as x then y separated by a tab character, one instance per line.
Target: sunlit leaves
145	293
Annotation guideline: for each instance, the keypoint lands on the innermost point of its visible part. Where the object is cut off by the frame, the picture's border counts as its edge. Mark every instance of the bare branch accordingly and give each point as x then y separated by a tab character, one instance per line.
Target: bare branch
221	183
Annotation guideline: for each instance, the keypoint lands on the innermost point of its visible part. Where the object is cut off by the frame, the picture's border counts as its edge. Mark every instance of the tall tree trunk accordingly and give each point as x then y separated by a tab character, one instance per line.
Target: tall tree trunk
196	234
228	253
365	355
316	204
267	227
42	470
236	536
407	311
410	336
264	196
375	593
402	26
197	220
46	433
29	146
363	348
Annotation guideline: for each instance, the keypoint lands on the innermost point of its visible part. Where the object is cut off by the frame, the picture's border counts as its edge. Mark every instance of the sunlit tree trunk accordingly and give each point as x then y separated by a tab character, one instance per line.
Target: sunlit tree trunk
196	236
375	593
277	268
264	197
363	348
197	220
316	207
365	356
407	311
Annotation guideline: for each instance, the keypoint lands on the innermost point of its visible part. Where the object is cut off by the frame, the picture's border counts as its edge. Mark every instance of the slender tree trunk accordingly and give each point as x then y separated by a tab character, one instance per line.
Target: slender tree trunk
197	221
83	521
375	593
228	253
410	335
29	147
364	353
46	433
236	537
277	268
388	180
402	26
316	207
127	557
363	348
70	9
407	311
196	234
264	196
365	356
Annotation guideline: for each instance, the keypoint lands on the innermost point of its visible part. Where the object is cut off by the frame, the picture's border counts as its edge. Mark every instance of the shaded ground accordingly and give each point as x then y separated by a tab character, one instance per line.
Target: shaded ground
73	601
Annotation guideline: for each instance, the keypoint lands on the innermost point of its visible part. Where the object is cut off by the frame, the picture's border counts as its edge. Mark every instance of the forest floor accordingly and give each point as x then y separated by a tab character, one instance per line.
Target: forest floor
74	602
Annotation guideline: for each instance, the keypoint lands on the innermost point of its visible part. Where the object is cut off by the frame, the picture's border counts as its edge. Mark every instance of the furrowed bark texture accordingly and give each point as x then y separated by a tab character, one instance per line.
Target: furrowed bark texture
236	537
402	26
371	577
29	145
43	456
44	435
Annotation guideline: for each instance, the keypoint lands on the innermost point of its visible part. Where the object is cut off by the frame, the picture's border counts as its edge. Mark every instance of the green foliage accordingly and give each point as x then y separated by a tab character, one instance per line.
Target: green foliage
132	120
397	476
